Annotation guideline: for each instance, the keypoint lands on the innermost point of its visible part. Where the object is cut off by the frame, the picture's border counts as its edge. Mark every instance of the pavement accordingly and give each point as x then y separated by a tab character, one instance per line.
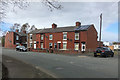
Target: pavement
61	66
19	69
0	62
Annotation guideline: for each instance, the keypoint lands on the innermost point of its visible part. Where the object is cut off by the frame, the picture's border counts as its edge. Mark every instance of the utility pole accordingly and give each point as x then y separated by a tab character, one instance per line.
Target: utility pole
100	30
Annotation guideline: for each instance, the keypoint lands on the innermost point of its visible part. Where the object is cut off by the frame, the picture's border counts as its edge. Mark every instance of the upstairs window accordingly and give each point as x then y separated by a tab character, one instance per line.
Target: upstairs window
30	36
76	36
50	37
41	36
17	37
64	35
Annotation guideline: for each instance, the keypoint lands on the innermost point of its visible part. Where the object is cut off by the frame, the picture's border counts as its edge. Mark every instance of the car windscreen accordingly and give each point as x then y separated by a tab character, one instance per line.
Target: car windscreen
22	46
103	48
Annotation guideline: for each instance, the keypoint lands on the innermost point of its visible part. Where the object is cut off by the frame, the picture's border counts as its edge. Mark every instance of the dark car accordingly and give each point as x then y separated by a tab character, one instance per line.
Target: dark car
103	52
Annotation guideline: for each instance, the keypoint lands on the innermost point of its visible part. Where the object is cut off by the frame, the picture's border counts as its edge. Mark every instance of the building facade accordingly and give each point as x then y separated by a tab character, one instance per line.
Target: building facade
116	46
78	38
12	39
106	43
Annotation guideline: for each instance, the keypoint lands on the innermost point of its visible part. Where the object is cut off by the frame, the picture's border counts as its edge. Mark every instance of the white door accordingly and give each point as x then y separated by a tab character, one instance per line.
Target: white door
34	46
83	47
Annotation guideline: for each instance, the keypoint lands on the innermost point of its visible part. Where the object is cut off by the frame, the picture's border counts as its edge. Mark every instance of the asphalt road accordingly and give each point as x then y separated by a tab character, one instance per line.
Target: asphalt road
61	66
18	69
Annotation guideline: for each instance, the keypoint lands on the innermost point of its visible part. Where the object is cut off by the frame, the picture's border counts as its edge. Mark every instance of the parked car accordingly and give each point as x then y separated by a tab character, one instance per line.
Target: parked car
103	52
17	48
22	48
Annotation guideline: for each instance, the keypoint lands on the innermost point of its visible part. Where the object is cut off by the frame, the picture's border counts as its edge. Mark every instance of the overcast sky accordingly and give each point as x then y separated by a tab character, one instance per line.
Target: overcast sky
86	12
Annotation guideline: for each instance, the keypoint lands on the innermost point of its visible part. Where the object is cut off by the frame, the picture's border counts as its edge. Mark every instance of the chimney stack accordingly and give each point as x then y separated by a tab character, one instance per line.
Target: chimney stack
78	23
24	31
17	30
54	25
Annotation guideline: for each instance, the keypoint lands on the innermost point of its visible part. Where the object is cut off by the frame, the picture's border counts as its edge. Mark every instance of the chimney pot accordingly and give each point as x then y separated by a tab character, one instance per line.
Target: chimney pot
17	30
78	23
54	25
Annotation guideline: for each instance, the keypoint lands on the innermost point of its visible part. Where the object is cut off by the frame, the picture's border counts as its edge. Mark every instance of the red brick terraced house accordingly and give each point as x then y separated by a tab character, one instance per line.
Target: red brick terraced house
71	39
12	39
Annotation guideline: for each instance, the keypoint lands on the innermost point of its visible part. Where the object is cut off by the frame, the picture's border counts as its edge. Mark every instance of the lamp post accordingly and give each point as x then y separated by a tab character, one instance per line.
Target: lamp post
100	30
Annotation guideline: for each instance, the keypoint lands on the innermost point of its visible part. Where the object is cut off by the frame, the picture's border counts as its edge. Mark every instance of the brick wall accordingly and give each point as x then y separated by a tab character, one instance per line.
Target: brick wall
9	40
91	39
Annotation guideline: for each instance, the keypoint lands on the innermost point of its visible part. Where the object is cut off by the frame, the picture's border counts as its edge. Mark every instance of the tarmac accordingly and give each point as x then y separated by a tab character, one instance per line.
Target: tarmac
18	69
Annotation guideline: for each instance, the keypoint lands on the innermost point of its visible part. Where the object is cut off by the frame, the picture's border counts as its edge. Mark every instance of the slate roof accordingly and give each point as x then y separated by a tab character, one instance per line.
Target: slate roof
62	29
34	31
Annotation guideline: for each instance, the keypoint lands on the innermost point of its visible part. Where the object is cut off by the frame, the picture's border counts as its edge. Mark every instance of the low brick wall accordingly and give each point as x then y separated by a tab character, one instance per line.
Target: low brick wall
56	51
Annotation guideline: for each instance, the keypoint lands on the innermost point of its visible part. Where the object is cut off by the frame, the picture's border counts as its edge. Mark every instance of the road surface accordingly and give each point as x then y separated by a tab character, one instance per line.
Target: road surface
61	66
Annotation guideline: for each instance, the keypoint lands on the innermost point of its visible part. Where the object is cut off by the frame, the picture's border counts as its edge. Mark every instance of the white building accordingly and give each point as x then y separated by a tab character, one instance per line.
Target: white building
106	43
116	45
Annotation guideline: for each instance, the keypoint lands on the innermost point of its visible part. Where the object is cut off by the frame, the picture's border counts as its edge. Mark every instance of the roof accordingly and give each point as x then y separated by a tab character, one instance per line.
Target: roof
62	29
34	31
21	33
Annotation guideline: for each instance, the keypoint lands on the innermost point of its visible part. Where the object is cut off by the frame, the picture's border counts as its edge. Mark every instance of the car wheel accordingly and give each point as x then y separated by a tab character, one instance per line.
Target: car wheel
105	56
112	55
95	55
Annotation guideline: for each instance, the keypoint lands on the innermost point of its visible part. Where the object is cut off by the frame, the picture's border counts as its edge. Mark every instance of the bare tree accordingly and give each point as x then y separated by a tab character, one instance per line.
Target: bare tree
25	27
52	4
22	4
4	4
14	27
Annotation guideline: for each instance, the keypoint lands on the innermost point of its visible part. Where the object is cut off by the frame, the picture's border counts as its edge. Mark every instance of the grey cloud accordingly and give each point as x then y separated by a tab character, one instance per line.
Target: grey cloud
87	12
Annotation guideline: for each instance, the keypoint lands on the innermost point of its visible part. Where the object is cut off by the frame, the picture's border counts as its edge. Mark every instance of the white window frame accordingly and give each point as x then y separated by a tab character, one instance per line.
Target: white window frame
64	47
17	37
76	46
42	37
76	34
64	35
31	45
41	45
30	36
50	37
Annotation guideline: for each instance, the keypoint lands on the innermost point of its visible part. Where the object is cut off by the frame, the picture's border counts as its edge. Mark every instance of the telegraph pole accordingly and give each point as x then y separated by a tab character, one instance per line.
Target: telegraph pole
100	30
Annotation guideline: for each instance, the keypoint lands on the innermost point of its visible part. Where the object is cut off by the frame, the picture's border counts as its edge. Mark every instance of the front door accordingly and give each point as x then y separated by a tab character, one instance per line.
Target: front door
34	46
59	45
83	47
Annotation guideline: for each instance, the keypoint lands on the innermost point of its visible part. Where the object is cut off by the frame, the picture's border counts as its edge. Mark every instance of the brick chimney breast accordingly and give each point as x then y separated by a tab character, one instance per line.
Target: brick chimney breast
17	30
78	23
54	26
